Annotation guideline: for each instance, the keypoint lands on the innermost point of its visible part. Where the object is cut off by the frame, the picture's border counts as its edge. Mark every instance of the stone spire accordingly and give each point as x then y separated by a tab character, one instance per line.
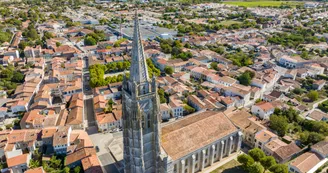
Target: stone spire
138	69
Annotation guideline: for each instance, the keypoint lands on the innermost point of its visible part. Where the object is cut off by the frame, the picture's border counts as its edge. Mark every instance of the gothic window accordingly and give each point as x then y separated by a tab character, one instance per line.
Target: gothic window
143	122
148	118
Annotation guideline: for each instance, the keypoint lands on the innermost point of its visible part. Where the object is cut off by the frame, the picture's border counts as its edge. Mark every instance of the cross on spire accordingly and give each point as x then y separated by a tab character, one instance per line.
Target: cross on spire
138	69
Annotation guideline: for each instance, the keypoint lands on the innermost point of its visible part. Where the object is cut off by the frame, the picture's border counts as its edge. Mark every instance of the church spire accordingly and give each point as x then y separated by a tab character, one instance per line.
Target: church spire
138	69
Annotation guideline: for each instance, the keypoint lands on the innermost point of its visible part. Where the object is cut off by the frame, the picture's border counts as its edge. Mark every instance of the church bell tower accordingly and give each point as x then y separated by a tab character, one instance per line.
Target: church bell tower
141	114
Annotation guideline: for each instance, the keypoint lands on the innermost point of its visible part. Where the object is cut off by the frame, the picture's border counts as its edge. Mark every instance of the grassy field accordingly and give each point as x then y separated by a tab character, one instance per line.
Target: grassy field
231	167
229	22
263	3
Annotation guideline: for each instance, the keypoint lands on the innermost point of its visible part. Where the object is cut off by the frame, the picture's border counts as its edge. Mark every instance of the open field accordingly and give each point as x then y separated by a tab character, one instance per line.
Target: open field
229	22
263	3
231	167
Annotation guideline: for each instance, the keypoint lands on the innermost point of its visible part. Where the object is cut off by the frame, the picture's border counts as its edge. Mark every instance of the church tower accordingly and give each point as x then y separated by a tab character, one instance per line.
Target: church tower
141	115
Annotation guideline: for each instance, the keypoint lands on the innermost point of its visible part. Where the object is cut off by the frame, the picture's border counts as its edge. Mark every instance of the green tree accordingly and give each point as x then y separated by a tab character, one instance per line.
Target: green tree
168	70
245	160
214	65
161	94
305	55
5	37
34	164
47	35
245	79
257	154
279	124
279	168
313	95
188	109
90	41
32	34
17	77
58	44
256	168
77	169
267	162
166	48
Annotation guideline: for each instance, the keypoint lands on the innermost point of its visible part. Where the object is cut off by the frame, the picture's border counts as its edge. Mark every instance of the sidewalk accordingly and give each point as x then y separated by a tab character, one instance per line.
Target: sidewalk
221	162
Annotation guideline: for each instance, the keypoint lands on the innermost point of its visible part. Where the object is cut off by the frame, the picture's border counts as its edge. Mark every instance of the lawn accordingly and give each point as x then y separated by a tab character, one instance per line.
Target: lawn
231	167
229	22
263	3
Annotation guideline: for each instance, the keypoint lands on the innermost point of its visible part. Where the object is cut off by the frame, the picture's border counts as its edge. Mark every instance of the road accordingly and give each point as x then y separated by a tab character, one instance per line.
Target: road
89	116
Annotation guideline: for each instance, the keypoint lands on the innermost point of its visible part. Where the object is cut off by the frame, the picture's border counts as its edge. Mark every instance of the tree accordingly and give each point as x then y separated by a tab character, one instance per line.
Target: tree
305	55
279	168
77	169
17	77
214	65
313	95
267	162
166	48
22	45
245	160
189	109
90	41
5	37
34	164
279	124
161	94
245	79
256	153
32	34
58	44
168	70
256	168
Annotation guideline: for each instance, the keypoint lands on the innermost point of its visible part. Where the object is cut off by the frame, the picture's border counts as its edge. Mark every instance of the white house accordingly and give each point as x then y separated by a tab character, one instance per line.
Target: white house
165	111
263	110
176	107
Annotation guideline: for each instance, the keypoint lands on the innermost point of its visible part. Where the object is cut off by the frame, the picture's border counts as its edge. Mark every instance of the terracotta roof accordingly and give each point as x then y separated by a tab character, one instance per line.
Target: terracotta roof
205	127
75	116
48	132
285	152
265	106
79	155
243	120
61	136
274	144
265	135
164	107
318	115
35	170
17	160
106	118
305	162
91	164
321	147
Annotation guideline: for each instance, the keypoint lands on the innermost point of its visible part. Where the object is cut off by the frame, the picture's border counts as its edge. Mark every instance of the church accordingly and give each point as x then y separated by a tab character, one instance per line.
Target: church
186	145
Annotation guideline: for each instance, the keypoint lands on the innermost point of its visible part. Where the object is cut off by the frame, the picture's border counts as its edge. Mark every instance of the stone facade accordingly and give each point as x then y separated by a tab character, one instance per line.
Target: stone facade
141	114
